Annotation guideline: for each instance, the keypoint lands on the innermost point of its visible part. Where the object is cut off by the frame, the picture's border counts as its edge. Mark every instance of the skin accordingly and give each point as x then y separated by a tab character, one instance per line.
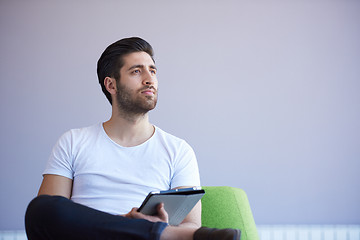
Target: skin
131	128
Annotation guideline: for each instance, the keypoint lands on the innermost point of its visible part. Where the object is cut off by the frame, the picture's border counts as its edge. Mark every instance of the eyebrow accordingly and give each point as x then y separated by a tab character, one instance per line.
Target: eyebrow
142	66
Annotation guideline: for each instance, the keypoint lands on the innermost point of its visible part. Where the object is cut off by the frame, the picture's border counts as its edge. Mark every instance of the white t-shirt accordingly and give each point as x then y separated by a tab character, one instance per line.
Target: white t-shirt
112	178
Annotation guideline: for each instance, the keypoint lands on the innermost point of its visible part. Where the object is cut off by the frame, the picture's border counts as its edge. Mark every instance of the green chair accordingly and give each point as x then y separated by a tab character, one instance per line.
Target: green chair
228	207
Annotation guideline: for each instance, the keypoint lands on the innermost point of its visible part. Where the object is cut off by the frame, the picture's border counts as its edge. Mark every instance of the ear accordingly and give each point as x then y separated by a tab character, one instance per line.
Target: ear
110	85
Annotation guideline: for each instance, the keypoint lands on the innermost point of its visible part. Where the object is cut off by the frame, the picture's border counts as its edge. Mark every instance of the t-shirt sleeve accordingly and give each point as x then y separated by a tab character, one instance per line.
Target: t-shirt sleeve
60	160
186	170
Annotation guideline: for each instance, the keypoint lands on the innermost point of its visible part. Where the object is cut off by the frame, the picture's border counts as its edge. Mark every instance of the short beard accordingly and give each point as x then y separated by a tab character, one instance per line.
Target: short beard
131	106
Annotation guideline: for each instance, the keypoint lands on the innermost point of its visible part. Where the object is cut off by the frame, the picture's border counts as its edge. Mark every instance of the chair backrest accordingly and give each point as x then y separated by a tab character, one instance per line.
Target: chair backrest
228	207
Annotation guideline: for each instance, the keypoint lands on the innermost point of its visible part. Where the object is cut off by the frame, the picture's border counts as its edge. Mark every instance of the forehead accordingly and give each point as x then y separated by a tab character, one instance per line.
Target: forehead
138	58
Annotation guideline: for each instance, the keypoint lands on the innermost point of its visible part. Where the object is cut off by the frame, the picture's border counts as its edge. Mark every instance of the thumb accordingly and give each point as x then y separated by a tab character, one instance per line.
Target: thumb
162	212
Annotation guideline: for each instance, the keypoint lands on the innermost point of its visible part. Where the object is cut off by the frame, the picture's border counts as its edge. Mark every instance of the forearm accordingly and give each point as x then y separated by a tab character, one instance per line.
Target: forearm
193	219
189	225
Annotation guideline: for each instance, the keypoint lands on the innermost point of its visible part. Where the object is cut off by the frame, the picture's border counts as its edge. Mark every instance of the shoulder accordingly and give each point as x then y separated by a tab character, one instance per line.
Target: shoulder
167	136
76	135
170	140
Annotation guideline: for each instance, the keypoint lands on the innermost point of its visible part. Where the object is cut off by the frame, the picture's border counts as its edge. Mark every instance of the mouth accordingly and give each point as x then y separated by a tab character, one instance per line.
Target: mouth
148	91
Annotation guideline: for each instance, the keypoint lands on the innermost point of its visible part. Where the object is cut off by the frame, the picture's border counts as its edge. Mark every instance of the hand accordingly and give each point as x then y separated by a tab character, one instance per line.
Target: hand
161	216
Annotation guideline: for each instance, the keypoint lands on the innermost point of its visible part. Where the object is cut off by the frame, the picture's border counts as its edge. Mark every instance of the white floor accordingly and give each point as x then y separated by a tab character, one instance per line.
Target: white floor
309	232
269	232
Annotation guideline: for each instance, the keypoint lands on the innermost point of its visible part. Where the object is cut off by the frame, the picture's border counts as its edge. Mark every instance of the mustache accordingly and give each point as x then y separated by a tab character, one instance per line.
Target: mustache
148	88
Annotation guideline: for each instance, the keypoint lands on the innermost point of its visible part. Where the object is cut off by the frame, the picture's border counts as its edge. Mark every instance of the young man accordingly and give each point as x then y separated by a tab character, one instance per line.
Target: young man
96	176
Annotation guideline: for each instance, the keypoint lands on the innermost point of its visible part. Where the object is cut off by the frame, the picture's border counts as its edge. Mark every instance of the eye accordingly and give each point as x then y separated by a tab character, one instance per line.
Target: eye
153	71
136	71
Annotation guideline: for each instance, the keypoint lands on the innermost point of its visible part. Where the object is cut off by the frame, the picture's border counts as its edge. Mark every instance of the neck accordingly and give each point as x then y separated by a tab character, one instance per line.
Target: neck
129	130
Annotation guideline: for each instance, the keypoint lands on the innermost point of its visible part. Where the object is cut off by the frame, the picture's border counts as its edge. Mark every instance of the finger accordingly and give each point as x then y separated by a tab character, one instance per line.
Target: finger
131	213
135	214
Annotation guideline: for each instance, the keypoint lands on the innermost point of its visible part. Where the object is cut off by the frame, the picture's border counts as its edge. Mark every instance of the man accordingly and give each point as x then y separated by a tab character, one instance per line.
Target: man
95	175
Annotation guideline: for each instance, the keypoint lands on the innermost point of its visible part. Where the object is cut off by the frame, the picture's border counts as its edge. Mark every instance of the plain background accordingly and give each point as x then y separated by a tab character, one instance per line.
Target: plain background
266	92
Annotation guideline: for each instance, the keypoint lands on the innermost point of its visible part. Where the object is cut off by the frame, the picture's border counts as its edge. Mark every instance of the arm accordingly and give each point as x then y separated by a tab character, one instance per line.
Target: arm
186	174
56	185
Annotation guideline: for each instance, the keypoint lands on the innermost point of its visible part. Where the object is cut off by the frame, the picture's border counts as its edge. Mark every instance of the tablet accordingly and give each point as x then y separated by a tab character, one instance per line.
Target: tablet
177	203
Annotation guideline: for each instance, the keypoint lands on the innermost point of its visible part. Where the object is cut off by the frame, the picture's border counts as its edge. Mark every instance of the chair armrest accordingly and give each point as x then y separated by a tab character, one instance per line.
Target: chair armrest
228	207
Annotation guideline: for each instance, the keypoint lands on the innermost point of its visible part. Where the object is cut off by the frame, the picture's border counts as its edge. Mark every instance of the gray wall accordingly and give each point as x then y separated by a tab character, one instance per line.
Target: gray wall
266	92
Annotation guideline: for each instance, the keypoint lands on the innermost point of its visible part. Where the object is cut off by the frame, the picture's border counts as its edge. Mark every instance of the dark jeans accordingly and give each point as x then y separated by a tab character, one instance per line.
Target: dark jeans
55	217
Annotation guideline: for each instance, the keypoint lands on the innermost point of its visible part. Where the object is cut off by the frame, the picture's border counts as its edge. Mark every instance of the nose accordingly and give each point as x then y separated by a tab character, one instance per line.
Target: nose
149	78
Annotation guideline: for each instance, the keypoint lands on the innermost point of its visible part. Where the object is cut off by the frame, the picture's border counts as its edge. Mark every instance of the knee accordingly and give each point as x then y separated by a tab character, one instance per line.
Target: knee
43	207
45	203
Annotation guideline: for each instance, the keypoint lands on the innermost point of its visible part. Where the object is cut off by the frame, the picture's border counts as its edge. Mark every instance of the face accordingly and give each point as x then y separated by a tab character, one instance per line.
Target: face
137	87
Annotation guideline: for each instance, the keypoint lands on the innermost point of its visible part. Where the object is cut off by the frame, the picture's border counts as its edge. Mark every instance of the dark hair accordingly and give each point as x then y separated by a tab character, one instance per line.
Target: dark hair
111	60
